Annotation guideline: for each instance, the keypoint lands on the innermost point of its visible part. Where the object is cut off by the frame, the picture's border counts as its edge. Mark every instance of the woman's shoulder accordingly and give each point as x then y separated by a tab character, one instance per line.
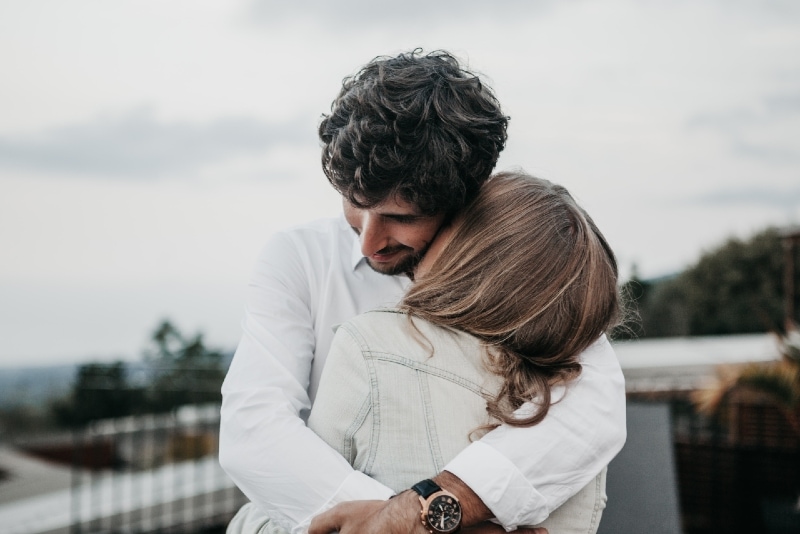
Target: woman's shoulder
391	323
391	331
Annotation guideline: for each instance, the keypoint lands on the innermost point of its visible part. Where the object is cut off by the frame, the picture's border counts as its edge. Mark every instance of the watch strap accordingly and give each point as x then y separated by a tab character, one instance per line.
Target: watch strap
426	488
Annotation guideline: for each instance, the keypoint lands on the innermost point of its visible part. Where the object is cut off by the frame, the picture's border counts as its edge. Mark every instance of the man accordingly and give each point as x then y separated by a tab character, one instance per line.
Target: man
408	143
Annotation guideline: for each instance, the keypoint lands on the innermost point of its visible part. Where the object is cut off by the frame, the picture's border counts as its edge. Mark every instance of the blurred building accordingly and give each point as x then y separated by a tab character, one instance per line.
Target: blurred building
681	471
154	473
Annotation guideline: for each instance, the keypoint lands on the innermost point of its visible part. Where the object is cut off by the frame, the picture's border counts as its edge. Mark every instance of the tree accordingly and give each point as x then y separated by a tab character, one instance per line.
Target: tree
735	288
100	391
177	371
779	381
184	370
655	308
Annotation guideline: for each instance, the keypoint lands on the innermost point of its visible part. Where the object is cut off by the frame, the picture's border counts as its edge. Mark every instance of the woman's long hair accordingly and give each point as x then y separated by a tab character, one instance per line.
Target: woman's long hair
527	271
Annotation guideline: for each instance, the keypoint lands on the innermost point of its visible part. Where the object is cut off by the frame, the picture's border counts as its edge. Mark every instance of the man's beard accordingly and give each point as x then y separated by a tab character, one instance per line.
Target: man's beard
405	266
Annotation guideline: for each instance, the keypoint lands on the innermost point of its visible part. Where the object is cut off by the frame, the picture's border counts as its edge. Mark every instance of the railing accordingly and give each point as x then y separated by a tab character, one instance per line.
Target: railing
159	473
162	475
145	473
743	476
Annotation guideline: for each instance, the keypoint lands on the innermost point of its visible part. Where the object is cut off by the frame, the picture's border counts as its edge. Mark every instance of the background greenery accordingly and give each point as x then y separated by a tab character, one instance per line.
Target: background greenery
735	288
176	371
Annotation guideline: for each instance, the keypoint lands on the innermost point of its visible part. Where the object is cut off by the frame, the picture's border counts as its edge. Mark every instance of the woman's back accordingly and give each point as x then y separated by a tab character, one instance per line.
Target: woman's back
391	409
399	403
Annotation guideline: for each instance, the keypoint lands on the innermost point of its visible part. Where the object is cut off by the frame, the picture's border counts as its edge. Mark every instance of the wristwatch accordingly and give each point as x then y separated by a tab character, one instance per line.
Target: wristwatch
441	511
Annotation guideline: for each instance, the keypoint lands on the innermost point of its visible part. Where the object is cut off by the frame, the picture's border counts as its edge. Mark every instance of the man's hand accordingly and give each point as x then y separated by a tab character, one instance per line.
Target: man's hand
399	515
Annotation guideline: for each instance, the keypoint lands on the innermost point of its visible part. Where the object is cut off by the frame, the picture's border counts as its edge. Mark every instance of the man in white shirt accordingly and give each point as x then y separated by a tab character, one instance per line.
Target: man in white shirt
408	143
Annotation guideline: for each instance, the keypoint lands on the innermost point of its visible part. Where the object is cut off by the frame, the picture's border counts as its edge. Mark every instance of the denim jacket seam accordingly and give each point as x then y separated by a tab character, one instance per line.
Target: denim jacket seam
597	500
422	371
430	421
424	368
350	432
374	434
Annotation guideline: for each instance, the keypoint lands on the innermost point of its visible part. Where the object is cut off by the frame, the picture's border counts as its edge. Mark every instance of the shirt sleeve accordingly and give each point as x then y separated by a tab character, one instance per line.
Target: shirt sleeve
265	447
523	474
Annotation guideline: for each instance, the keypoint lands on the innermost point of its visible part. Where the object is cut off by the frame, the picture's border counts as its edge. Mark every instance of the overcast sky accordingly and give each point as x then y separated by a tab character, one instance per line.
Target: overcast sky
149	147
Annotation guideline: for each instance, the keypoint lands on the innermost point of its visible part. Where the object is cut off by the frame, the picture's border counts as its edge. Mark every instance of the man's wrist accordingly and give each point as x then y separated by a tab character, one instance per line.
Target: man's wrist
410	509
473	511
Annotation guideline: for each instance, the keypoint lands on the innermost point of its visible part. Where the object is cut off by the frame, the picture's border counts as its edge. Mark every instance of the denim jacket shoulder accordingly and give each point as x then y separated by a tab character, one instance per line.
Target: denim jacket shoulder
416	392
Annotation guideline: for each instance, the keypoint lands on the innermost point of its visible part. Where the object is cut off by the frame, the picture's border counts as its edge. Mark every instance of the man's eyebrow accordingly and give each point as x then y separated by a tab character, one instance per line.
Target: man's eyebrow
403	216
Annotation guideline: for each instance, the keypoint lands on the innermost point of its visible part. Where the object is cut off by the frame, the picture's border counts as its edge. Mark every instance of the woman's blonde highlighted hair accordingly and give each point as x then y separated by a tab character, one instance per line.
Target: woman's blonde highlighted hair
527	271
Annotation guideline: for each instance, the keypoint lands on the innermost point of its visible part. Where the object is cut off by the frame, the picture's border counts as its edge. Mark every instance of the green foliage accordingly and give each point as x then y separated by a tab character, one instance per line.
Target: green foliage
656	308
779	381
185	371
177	371
100	391
736	288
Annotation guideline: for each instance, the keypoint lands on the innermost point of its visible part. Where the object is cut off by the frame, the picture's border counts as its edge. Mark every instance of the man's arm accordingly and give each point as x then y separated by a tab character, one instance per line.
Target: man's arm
523	474
401	515
266	448
519	475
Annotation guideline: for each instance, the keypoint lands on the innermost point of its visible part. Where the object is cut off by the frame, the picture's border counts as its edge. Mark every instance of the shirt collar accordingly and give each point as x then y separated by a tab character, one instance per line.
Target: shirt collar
358	261
356	258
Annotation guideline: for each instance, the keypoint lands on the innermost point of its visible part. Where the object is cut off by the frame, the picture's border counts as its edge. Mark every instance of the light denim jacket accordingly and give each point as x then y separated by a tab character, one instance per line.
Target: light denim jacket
399	401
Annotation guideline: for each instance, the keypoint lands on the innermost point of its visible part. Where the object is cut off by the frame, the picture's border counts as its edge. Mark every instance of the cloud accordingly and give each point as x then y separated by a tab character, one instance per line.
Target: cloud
778	104
764	132
767	152
138	145
724	121
361	14
787	199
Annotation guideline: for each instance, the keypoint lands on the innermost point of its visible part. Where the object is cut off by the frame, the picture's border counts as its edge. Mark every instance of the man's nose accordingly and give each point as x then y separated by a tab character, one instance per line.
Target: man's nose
373	235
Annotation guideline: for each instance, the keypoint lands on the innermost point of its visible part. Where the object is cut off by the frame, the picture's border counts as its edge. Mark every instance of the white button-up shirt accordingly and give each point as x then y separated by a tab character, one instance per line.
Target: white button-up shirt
308	280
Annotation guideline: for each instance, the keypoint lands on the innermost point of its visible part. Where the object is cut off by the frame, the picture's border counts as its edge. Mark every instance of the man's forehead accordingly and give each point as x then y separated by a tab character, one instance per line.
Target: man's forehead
392	205
397	206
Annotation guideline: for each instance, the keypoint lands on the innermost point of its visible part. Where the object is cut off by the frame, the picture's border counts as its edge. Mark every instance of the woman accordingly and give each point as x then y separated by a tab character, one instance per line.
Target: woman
506	298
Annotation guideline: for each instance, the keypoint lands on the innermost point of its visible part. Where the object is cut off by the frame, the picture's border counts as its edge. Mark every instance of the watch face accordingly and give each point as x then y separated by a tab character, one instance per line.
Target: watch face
444	514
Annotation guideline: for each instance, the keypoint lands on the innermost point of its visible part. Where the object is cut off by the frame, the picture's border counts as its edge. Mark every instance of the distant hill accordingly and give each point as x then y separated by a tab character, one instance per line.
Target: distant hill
32	386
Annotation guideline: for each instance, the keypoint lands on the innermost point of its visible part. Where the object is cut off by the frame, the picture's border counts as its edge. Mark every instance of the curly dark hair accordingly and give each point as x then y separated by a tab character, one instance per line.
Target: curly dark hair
419	126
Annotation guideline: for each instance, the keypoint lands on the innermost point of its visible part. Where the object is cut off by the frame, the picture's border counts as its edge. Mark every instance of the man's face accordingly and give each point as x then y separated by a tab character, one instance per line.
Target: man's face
394	235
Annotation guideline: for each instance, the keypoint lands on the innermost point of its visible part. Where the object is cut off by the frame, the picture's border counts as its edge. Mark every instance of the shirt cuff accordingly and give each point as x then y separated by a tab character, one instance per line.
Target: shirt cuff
356	487
500	485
